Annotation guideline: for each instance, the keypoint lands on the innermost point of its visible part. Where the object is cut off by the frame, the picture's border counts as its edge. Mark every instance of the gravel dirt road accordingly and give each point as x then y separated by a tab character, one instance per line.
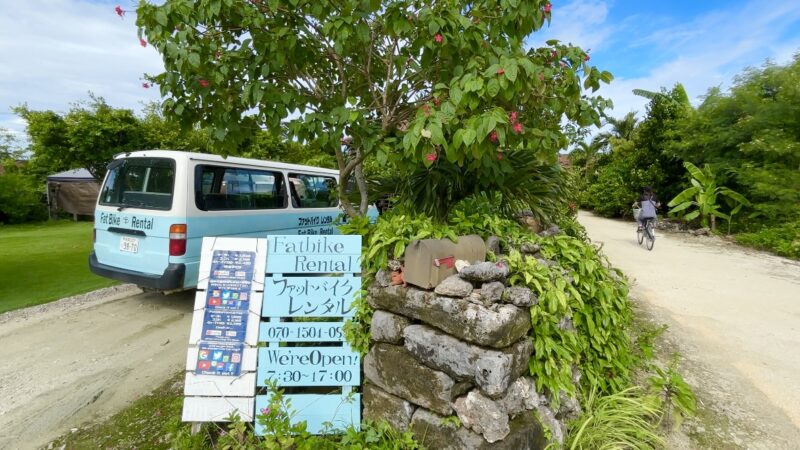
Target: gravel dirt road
84	358
734	315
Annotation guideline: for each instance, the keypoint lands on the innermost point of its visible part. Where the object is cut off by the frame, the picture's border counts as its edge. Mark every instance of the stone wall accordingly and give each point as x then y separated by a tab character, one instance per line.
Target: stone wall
458	351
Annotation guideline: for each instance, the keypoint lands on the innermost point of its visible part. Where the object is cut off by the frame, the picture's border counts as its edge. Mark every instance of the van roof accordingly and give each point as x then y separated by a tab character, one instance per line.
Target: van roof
181	155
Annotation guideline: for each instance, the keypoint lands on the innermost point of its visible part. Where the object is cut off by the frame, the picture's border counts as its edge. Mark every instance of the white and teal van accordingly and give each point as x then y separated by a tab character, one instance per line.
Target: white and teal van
155	207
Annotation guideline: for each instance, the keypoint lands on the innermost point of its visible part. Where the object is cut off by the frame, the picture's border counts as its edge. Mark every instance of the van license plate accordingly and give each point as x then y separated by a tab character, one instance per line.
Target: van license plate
129	244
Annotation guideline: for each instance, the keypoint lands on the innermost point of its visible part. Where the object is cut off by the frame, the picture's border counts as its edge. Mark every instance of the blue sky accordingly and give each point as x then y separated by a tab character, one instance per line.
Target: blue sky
52	52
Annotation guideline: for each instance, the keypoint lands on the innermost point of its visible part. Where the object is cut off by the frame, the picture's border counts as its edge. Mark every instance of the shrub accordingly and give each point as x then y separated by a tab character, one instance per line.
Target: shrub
782	239
20	201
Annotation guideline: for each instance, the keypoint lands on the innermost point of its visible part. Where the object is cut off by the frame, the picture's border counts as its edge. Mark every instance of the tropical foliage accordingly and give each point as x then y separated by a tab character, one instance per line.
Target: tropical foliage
701	198
408	83
748	137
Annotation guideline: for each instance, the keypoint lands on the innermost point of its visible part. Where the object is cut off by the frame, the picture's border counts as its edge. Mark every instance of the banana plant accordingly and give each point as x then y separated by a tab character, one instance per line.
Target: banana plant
701	198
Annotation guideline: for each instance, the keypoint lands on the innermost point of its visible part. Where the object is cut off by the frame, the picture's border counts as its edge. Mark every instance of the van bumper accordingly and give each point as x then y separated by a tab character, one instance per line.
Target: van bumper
171	279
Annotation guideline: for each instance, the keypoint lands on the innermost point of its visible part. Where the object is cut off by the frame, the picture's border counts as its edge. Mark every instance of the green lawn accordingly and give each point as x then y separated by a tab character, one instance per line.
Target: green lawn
45	262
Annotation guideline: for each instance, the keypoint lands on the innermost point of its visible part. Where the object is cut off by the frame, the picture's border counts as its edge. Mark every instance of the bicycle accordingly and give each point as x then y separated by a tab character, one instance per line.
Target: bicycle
646	233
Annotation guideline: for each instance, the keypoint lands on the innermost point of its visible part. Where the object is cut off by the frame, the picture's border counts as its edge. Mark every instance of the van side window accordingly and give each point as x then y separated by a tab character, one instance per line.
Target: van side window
219	188
312	191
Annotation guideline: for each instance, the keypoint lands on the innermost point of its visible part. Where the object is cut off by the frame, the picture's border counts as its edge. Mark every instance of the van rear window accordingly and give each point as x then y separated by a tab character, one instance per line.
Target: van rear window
220	188
145	183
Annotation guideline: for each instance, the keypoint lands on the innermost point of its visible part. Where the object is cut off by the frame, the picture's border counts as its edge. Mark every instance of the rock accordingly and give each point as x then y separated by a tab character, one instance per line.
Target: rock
493	244
565	324
529	248
454	286
482	415
492	291
394	369
429	430
388	327
569	407
520	296
550	231
546	262
383	278
482	272
701	232
394	265
530	223
381	405
576	375
497	327
548	419
477	298
522	396
460	264
491	370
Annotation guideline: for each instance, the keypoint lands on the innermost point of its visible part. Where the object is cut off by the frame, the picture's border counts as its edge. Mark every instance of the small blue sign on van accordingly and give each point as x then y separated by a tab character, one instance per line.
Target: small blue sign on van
325	300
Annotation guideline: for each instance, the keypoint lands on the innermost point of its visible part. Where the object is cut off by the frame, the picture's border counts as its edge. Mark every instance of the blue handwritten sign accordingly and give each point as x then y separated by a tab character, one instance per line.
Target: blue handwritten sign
314	254
301	332
309	366
309	296
335	262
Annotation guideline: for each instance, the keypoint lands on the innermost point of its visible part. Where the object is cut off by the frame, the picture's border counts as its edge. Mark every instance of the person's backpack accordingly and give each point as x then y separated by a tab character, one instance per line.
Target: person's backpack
648	209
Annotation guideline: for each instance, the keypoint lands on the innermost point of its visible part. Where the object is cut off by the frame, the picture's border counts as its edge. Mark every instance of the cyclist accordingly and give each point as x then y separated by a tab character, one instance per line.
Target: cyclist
648	204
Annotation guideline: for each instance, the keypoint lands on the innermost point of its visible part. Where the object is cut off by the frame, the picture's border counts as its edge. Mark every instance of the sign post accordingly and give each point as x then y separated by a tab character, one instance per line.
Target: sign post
221	361
309	289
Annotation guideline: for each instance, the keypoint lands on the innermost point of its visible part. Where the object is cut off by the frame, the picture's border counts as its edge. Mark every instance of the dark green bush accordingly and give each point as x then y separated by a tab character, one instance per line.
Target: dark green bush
782	239
20	200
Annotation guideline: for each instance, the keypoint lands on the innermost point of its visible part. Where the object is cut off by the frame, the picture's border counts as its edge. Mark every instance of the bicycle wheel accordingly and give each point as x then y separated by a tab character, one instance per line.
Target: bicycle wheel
649	236
640	235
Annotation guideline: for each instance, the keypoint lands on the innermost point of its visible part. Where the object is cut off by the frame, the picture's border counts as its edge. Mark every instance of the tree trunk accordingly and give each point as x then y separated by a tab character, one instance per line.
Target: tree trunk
713	222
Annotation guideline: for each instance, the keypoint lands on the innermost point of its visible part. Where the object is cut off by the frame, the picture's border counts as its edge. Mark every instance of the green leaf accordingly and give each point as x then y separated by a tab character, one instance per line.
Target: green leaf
161	17
469	136
511	72
493	87
455	95
194	60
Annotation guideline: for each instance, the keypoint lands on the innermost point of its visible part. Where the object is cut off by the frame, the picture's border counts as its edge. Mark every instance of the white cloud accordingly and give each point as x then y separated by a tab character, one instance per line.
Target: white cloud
710	50
55	51
581	22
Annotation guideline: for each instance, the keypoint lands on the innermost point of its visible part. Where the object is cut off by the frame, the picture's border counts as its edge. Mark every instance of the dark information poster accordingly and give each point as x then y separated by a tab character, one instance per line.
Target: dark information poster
228	296
219	358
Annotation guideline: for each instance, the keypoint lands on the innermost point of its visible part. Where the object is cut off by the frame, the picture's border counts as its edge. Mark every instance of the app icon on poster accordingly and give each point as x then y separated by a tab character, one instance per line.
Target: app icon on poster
226	295
213	364
213	301
217	356
225	358
235	296
215	293
243	296
204	365
236	357
203	354
231	367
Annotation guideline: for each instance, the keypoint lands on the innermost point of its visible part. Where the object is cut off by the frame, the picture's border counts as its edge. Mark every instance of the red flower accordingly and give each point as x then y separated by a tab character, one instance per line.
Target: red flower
586	57
431	157
501	71
499	156
142	42
438	38
513	116
437	101
146	85
554	53
119	11
493	136
202	82
547	8
518	128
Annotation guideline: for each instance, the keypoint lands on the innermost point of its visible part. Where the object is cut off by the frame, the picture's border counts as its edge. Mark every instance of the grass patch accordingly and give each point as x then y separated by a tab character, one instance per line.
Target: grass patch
43	262
149	422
